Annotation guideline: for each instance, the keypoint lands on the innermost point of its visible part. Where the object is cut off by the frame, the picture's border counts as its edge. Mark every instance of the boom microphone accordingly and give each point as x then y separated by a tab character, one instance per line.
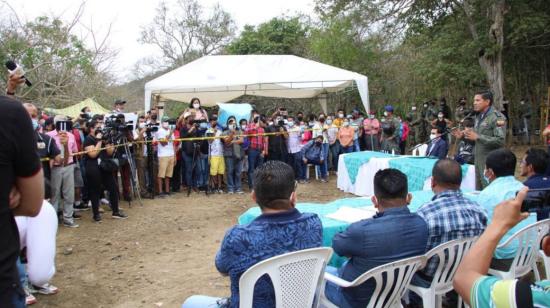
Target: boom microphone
14	68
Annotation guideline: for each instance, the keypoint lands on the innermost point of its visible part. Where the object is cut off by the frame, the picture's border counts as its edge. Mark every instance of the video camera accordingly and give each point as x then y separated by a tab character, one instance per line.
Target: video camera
202	124
65	126
536	199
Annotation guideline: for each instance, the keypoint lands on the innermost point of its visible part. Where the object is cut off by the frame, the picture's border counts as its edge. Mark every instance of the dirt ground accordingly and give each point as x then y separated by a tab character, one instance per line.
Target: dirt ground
159	256
163	253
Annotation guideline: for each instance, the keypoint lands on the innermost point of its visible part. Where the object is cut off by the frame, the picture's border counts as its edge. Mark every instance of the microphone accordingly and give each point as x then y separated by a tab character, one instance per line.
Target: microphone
14	68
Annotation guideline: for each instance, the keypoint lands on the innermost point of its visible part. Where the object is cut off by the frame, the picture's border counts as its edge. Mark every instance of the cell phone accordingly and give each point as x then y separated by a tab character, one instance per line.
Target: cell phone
65	126
536	199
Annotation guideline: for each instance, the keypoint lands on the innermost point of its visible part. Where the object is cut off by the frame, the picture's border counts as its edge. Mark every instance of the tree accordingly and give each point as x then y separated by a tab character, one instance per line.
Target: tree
63	70
183	33
279	36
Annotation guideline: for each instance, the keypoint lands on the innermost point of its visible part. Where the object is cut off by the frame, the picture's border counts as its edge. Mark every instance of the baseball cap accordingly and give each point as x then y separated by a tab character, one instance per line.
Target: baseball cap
165	118
120	102
389	108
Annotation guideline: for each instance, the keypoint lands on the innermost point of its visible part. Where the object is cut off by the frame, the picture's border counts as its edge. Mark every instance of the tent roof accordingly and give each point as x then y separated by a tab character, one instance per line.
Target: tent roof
75	110
216	79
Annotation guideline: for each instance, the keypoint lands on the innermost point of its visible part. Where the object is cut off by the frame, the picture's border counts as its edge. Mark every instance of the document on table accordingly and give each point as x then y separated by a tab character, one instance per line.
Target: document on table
351	214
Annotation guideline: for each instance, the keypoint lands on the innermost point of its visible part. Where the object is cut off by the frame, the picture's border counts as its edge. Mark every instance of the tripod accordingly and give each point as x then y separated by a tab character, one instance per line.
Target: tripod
150	165
133	172
196	152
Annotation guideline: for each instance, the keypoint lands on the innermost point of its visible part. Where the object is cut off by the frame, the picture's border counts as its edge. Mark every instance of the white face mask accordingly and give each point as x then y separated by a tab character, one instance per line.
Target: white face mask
270	123
341	115
141	125
346	124
329	121
196	106
165	125
433	136
231	126
371	116
385	113
290	123
413	108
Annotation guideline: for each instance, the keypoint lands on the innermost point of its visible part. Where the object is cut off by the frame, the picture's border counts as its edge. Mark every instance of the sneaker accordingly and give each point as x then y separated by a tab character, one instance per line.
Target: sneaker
80	207
97	218
162	195
230	192
120	215
70	224
220	191
104	201
47	289
324	180
76	216
240	192
29	298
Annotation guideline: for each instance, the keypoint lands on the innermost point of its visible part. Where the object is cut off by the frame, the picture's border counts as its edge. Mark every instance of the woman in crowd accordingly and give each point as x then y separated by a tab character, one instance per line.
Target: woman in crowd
99	174
334	144
345	136
233	153
196	109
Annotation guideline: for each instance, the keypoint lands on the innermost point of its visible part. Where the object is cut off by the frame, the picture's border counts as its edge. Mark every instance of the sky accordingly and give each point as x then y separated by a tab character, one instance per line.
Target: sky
128	16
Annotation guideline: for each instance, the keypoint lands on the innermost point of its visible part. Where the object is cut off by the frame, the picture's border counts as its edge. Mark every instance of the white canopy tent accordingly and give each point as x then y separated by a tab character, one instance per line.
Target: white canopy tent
218	79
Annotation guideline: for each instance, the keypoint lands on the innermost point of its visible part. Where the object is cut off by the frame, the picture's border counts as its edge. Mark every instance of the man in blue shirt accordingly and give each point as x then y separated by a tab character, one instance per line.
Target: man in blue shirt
394	233
280	229
438	146
500	166
314	153
533	166
449	216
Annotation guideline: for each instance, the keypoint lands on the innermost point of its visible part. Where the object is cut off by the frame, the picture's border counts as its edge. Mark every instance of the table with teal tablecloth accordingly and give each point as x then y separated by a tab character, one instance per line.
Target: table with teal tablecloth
332	226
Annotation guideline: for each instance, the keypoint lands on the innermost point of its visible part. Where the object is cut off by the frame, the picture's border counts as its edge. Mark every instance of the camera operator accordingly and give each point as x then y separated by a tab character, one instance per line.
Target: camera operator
125	135
98	174
276	145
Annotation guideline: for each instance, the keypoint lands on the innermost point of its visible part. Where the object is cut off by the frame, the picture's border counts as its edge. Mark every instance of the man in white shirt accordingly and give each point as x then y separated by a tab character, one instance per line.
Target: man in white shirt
166	156
294	146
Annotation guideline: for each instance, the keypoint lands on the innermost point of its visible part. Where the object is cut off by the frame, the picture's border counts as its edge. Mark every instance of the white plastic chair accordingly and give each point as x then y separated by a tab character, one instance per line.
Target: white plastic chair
450	255
545	260
317	171
296	277
397	276
529	239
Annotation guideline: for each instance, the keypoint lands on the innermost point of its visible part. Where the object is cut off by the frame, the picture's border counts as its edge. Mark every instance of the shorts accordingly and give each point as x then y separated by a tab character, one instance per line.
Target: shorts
217	165
78	180
166	167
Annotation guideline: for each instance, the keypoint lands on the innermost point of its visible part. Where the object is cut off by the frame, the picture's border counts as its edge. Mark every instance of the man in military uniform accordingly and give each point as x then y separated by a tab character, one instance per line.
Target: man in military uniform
461	110
488	133
390	132
411	117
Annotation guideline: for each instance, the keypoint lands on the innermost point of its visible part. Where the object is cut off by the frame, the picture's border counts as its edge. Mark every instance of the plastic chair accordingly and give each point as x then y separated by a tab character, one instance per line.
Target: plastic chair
317	171
296	277
545	260
529	239
450	255
397	276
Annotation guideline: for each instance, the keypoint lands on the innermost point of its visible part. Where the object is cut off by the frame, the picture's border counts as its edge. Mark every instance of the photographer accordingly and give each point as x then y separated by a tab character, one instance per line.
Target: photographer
276	145
99	171
140	147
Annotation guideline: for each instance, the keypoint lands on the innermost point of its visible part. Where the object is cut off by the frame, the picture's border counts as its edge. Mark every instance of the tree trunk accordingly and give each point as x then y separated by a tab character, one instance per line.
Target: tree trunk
491	62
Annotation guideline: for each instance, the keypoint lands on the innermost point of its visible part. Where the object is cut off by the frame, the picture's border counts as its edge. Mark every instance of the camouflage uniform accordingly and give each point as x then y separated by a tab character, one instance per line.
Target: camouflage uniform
418	128
491	130
461	112
390	142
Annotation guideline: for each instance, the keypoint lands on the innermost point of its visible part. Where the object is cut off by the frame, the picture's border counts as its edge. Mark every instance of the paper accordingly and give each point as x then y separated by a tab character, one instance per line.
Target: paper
351	215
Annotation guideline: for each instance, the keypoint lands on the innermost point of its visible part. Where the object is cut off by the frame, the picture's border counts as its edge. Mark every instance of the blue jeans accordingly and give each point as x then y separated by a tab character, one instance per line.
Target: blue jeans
188	169
335	152
356	147
333	292
347	149
200	301
255	159
316	163
325	157
295	160
203	170
233	168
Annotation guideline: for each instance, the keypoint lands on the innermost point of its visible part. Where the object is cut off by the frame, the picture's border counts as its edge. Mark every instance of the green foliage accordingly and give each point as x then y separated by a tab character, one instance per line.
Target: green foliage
278	36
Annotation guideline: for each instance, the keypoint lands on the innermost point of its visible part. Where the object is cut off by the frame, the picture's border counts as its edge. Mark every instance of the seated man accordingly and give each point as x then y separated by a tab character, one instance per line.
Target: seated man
533	166
480	290
438	146
465	152
394	233
280	229
314	153
499	172
449	215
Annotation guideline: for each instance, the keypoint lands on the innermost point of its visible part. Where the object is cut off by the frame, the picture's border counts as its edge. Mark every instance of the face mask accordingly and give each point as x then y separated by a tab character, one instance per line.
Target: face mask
290	124
34	124
141	125
385	113
203	125
425	106
329	121
165	125
485	177
196	106
346	124
413	108
270	123
341	115
243	125
433	136
231	126
440	117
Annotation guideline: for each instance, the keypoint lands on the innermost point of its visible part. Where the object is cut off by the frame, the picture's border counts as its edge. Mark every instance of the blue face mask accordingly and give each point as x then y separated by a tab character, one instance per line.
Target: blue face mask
35	124
486	178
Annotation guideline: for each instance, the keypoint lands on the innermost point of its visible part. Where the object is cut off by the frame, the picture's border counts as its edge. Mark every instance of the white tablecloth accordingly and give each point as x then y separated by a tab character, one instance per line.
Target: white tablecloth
365	176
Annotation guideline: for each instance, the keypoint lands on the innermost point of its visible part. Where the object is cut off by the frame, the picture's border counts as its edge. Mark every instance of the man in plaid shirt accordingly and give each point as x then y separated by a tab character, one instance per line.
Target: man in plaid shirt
449	215
257	149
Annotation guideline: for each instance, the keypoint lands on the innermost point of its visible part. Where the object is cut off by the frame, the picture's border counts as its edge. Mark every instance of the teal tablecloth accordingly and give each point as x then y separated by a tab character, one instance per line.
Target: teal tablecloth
331	226
418	169
355	160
